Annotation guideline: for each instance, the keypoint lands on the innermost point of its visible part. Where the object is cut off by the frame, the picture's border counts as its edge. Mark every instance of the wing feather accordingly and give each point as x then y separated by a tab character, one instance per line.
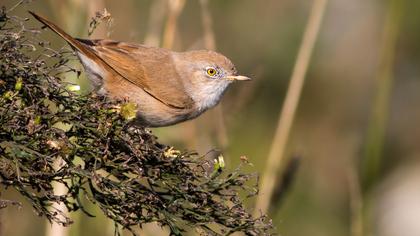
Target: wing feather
147	67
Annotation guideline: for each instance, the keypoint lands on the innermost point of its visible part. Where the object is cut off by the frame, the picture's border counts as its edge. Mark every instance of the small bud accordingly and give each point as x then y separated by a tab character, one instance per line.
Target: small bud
53	144
37	120
74	88
171	152
8	95
129	110
218	166
18	85
219	163
244	158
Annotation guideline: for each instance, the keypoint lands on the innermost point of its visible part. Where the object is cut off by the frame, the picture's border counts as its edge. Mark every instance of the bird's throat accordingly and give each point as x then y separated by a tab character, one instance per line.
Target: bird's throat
209	95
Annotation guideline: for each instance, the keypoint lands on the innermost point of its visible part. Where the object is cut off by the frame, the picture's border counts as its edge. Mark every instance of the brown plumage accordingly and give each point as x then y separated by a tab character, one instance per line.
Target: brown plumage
168	87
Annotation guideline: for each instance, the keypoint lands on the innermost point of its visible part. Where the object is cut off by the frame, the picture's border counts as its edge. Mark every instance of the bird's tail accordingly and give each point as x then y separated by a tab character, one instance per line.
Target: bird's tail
74	43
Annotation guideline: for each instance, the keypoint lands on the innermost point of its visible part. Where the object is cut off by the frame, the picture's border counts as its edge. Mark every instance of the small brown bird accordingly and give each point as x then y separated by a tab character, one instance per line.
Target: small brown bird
168	87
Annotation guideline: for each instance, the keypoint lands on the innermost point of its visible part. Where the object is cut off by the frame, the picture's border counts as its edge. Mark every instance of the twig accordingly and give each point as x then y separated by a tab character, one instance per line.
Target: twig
175	9
98	18
16	5
380	107
356	203
275	158
373	156
157	13
209	39
53	228
285	181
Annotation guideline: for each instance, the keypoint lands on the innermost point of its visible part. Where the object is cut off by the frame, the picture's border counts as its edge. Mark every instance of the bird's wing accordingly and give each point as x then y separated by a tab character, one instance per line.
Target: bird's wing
147	68
150	68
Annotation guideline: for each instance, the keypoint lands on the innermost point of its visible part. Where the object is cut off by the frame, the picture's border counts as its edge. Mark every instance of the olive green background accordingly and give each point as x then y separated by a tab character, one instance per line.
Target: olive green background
333	122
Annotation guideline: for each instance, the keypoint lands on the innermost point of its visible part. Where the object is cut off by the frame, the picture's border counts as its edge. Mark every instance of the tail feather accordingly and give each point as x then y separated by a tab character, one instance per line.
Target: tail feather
74	43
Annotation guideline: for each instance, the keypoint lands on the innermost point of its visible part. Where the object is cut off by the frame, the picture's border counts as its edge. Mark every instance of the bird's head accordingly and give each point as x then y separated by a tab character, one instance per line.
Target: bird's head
207	76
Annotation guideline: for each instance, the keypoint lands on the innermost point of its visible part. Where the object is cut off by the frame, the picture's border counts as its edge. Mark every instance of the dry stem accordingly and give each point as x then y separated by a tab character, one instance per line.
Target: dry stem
275	158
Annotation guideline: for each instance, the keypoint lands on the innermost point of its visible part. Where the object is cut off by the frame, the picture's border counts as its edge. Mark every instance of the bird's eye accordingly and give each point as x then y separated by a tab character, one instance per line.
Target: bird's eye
211	71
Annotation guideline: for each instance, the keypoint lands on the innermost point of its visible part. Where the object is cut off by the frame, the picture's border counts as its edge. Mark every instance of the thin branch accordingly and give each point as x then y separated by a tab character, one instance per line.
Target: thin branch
380	107
209	39
275	157
356	203
53	228
156	17
175	9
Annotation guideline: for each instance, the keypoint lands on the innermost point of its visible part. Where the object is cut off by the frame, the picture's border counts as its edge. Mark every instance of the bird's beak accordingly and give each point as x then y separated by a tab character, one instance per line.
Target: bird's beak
237	77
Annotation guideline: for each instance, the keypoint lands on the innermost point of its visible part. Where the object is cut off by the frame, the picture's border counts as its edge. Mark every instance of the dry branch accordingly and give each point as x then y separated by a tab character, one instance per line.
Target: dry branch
99	156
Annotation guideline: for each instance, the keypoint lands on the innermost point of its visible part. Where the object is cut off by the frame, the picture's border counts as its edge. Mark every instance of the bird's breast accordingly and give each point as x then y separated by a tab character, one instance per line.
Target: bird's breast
208	95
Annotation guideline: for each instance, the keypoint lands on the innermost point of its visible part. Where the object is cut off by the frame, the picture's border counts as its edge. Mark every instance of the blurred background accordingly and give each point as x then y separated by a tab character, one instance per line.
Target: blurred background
356	128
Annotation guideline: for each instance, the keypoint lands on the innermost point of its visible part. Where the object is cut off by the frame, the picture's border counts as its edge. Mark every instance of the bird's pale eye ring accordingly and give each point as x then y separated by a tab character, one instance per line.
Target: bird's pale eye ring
211	71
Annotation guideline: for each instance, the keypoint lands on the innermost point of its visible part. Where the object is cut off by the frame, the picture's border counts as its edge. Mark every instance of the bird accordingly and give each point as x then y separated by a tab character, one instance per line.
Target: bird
168	87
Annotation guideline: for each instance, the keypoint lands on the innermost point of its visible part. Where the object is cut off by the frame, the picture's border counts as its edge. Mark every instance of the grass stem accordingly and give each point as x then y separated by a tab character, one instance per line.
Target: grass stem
276	154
